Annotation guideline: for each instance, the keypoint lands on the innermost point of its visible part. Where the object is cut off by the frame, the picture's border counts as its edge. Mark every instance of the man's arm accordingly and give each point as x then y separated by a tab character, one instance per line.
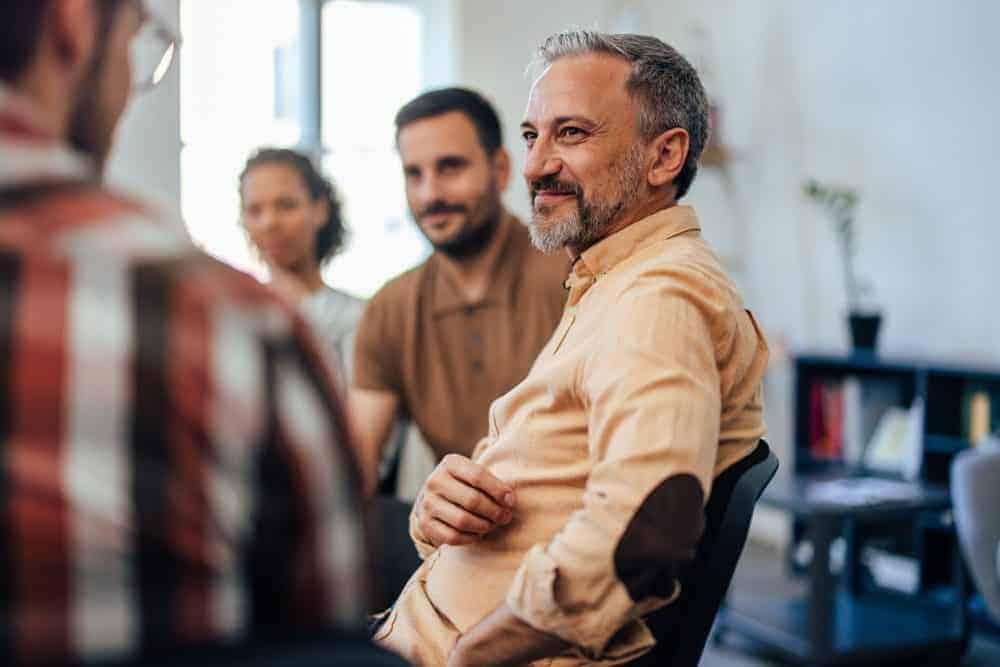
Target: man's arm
375	383
652	389
372	415
503	634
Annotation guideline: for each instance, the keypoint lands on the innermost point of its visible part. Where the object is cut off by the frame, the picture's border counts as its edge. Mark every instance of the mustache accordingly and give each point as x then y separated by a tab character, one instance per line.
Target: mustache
553	184
437	207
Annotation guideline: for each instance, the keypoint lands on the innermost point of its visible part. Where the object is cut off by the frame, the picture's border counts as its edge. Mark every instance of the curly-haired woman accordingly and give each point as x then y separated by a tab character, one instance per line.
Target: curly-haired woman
293	218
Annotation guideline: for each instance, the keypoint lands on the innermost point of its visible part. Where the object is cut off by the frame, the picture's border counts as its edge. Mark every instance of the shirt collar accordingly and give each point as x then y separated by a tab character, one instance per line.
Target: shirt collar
29	153
607	253
447	297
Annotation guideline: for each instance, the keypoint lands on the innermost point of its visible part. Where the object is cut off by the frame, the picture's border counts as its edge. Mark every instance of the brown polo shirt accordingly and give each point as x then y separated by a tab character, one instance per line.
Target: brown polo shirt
447	360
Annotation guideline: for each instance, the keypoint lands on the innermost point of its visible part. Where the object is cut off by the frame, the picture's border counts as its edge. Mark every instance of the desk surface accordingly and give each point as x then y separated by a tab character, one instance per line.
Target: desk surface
854	496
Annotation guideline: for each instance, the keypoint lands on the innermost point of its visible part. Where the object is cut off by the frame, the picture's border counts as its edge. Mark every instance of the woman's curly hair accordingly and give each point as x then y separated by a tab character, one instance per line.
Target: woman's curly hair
332	236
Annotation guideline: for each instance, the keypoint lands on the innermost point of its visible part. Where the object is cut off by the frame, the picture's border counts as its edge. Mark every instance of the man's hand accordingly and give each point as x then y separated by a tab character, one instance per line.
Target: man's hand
502	639
462	501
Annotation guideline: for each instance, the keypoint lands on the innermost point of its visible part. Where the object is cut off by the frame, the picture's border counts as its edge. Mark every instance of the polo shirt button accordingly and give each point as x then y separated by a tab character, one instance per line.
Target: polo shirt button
477	365
477	339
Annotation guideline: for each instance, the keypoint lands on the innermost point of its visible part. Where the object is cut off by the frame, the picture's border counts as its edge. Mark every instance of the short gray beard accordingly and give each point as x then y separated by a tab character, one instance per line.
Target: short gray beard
590	221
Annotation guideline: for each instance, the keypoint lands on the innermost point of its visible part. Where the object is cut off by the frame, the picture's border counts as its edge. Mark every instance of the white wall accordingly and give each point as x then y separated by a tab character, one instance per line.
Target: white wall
146	158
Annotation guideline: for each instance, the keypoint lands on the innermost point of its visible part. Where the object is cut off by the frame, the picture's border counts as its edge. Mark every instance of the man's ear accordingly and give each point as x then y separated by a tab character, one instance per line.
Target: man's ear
670	151
72	28
501	168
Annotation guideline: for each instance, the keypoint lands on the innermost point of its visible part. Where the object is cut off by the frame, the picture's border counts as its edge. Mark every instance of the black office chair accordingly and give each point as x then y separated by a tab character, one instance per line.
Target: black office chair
681	629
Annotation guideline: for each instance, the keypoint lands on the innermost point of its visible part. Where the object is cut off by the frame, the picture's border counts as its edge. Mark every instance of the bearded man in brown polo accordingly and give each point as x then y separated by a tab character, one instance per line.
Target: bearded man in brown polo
440	342
574	515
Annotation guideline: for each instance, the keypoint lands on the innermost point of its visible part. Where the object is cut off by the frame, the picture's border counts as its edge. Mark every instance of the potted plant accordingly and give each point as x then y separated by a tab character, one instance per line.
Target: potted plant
840	204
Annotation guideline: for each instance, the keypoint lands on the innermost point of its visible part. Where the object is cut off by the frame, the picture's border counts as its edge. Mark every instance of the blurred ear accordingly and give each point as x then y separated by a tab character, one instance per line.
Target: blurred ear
501	168
670	152
71	25
319	212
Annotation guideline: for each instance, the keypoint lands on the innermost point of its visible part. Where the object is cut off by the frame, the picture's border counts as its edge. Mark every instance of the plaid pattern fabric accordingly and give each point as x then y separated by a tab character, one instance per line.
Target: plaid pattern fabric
174	462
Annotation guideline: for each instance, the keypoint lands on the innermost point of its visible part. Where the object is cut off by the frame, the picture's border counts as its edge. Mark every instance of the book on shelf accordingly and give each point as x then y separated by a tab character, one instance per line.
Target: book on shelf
826	420
976	415
845	413
897	445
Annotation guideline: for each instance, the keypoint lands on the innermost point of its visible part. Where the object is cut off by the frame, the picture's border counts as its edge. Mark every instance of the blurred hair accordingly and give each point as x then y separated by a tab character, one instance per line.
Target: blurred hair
21	23
20	30
663	83
332	236
438	102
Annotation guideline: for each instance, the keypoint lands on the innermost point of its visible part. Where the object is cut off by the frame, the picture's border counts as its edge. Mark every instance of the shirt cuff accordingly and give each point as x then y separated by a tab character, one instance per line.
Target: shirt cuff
424	548
613	629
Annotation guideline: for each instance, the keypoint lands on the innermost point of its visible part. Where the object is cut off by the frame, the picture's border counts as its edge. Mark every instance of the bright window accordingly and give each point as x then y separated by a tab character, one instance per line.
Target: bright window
364	83
244	84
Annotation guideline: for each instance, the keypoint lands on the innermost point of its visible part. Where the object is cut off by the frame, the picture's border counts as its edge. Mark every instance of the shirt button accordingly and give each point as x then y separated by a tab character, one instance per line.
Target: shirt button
477	365
477	338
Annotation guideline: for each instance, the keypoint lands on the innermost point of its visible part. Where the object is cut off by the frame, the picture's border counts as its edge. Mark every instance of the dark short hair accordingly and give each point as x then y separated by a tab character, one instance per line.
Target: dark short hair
332	236
20	31
21	24
437	102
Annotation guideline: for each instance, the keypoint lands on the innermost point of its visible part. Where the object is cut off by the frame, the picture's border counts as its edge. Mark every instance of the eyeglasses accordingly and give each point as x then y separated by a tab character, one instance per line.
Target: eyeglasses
153	50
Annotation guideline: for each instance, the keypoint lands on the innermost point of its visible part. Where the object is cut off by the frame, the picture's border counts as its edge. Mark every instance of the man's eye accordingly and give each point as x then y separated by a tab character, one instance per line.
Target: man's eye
528	136
571	132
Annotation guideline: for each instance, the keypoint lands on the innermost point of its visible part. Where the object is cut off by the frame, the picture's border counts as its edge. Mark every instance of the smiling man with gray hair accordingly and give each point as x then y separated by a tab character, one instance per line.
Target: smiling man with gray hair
575	515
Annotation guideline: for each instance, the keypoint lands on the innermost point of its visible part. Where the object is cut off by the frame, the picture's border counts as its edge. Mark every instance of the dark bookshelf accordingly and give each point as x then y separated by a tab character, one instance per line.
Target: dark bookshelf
946	390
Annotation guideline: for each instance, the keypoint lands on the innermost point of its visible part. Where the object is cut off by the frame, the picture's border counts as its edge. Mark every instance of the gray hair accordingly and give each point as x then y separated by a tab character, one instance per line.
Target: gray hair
663	83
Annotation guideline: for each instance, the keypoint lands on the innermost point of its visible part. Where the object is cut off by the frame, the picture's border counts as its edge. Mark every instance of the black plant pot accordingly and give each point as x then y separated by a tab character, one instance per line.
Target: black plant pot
864	330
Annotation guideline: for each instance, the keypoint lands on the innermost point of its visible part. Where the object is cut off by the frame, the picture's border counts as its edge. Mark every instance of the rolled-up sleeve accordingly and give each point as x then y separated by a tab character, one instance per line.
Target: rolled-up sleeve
651	386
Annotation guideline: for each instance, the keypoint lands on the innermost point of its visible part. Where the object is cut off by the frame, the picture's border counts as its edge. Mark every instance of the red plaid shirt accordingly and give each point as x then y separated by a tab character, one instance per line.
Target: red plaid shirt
174	463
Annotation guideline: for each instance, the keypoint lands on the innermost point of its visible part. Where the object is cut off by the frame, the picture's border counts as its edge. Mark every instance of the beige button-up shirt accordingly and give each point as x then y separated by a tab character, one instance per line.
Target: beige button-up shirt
649	388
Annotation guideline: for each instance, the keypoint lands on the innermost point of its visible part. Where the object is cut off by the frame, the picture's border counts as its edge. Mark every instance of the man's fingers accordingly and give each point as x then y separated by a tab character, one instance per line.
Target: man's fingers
459	518
470	499
441	533
478	477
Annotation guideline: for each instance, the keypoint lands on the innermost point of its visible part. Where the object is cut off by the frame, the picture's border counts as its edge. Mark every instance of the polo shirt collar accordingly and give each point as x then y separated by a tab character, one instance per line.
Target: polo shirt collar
448	298
607	253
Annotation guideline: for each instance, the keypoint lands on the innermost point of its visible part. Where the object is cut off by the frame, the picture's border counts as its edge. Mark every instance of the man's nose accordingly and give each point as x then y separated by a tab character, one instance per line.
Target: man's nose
540	163
267	220
429	190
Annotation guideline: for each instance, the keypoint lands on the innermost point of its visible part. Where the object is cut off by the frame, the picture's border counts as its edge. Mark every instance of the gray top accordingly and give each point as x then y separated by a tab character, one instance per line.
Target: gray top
335	315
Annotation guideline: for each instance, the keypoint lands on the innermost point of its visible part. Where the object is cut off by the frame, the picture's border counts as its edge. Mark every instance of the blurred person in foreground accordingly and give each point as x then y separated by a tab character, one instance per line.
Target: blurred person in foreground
294	219
444	339
575	514
174	464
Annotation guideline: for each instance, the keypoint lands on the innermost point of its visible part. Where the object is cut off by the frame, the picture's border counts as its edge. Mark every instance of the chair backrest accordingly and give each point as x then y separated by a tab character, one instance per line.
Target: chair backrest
682	628
975	492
